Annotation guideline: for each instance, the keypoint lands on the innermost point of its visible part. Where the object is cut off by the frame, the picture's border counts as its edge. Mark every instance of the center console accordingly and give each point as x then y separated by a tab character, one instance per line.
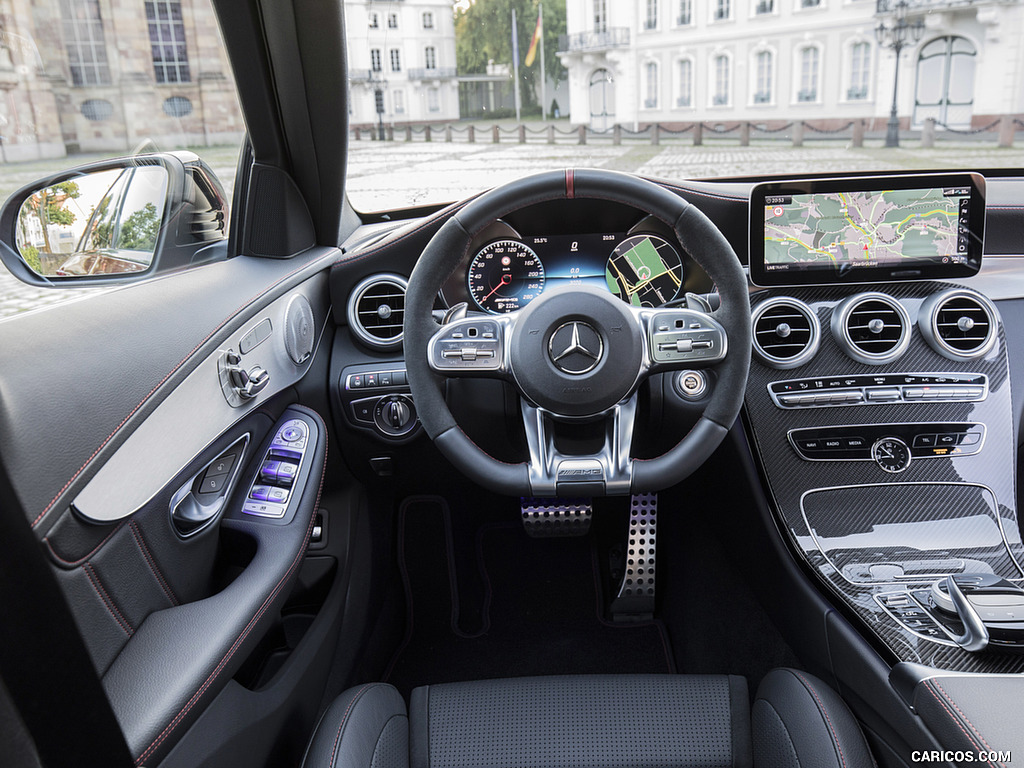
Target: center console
882	419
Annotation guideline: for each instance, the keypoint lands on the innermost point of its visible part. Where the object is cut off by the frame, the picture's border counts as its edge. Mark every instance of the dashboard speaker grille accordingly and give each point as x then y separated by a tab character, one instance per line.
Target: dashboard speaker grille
960	325
376	310
873	328
786	332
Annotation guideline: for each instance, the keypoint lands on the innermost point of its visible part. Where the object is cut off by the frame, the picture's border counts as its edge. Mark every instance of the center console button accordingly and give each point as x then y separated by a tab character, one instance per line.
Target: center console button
854	443
882	394
946	438
970	438
924	441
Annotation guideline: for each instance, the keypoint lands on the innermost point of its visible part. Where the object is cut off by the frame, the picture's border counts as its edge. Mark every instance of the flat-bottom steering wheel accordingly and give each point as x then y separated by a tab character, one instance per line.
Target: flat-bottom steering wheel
578	353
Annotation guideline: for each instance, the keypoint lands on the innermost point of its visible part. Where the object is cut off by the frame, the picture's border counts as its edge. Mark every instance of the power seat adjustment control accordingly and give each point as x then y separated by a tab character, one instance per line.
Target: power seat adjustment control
272	489
246	383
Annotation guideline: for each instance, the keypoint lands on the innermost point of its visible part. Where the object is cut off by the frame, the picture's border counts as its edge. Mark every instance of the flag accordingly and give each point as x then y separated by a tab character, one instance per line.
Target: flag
537	32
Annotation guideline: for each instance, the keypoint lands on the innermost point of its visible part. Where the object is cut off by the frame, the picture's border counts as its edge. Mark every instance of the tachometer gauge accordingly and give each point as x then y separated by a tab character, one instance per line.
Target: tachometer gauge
644	270
505	275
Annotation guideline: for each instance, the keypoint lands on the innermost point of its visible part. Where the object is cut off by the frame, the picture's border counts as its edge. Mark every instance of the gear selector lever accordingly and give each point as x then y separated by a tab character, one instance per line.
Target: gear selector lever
990	608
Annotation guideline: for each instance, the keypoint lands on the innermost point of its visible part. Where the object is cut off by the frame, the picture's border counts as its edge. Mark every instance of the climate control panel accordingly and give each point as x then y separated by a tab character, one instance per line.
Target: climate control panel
881	389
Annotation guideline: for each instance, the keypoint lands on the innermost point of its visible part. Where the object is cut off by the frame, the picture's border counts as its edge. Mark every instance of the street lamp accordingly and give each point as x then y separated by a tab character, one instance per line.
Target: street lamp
894	36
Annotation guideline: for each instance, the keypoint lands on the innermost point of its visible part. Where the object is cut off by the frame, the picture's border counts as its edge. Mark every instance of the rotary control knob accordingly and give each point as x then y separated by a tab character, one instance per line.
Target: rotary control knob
395	415
891	454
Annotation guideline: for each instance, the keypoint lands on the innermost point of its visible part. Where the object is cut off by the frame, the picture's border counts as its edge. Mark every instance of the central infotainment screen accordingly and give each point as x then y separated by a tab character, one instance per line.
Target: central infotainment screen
866	229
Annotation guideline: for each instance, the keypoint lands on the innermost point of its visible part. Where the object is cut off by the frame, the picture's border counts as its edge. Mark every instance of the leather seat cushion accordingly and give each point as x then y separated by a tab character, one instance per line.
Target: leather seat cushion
607	720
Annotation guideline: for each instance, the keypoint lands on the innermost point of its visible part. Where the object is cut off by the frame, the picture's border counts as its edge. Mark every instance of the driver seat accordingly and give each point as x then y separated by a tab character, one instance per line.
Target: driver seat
593	720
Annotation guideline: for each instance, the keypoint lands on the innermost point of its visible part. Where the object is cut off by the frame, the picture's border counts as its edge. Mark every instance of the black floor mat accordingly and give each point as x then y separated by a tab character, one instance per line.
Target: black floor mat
497	603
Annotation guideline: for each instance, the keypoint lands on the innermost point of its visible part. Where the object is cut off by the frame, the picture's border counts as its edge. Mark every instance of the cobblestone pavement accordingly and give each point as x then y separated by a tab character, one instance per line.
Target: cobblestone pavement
394	174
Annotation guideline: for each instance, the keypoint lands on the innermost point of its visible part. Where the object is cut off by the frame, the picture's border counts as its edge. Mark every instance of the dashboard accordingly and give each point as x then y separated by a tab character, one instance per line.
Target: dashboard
509	266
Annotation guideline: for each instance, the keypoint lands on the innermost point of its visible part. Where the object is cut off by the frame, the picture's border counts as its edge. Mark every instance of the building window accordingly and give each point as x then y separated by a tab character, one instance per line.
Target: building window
651	17
396	60
84	42
810	3
177	106
860	69
375	59
685	17
430	57
810	59
167	41
600	15
96	109
685	96
374	21
721	70
763	74
433	100
764	7
723	9
651	79
392	21
428	20
399	102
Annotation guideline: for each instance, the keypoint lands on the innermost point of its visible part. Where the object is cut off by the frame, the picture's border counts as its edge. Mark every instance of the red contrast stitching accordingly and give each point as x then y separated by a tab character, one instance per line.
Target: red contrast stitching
248	628
79	561
931	686
164	379
344	718
97	585
828	721
152	563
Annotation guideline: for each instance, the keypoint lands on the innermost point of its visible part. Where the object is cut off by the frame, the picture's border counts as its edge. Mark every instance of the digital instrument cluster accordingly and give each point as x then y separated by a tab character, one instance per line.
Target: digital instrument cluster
642	269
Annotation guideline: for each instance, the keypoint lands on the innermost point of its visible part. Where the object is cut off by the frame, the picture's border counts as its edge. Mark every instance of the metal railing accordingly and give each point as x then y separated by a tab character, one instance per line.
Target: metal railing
432	73
594	40
889	6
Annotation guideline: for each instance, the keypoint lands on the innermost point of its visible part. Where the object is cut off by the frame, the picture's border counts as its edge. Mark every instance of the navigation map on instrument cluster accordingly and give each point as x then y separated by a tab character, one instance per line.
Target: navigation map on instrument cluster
864	229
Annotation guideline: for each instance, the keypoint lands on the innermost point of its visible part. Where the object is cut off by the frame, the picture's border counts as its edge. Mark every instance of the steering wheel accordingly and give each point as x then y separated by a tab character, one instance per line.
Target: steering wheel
578	353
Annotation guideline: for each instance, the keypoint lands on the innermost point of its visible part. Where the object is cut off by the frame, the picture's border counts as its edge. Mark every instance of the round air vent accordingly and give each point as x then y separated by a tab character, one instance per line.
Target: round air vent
871	328
959	324
786	332
376	310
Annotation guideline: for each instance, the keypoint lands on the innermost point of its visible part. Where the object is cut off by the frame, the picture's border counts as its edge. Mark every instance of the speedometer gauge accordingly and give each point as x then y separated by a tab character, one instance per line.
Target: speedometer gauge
645	270
505	275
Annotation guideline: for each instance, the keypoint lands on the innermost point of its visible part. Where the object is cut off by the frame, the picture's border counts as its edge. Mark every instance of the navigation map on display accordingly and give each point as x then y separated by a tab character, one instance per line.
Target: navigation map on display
644	270
834	230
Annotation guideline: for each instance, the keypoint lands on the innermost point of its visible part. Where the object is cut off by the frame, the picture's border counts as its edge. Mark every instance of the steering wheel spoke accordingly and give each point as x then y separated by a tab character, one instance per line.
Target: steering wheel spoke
680	338
553	473
473	346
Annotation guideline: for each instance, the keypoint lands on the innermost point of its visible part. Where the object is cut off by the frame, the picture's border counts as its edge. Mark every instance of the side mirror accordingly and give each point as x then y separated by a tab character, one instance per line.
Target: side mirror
116	220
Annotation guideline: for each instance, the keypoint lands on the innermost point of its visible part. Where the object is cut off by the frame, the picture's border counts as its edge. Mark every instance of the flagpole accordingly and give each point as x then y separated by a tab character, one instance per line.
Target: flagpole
543	72
515	62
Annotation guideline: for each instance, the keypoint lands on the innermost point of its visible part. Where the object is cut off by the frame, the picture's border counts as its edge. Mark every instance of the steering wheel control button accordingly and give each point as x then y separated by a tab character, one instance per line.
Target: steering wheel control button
691	385
472	344
575	348
686	335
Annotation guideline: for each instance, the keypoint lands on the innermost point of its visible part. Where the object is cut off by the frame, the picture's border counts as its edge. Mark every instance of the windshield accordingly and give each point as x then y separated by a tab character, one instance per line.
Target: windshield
447	101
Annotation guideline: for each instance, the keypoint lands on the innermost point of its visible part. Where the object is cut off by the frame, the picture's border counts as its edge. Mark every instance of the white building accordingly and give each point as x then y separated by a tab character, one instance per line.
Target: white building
771	61
401	59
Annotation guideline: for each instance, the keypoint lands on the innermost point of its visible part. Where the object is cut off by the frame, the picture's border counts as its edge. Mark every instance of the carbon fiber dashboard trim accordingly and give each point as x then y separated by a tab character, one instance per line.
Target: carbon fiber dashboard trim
992	471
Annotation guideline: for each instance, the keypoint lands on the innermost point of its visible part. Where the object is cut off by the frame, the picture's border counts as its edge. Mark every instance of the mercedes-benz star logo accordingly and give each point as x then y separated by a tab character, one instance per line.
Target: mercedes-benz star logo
575	348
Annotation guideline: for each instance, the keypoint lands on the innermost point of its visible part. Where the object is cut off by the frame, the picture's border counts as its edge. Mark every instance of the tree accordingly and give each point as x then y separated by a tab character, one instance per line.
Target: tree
483	34
48	205
139	231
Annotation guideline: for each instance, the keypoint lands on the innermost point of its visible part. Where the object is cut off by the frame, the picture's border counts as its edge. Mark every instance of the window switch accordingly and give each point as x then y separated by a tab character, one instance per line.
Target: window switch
259	492
286	473
268	472
277	495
